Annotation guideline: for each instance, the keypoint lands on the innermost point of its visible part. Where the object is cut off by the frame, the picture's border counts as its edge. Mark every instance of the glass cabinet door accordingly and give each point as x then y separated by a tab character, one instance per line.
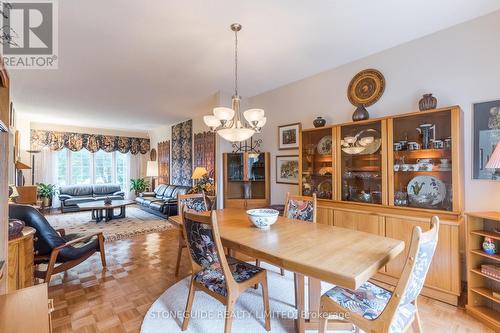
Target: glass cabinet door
317	163
422	160
361	162
235	167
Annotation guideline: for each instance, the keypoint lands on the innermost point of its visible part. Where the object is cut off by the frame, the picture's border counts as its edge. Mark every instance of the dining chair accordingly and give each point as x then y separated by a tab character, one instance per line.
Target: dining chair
375	309
195	202
221	277
301	208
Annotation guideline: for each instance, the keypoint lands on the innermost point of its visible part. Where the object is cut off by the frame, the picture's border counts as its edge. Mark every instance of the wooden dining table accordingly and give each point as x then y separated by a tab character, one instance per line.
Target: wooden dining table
321	252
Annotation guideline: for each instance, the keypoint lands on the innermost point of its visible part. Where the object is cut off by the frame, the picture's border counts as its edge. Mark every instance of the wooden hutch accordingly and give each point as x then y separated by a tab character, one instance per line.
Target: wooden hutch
246	180
388	175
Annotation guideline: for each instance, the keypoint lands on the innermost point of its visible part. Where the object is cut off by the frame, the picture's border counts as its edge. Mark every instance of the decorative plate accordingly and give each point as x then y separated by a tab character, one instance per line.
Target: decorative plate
366	87
325	145
325	186
427	188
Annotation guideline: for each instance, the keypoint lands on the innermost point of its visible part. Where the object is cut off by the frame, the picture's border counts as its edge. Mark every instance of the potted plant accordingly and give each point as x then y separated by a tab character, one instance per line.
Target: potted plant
45	192
138	185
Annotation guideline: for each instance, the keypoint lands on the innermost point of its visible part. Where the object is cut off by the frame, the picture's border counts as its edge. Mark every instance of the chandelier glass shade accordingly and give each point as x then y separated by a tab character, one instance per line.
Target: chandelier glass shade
227	122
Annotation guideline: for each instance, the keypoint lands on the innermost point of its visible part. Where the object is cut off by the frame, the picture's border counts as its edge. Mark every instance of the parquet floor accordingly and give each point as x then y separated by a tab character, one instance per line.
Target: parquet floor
89	300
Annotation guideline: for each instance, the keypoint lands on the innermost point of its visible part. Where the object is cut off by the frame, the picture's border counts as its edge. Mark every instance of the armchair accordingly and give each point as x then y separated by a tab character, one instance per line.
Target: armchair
59	250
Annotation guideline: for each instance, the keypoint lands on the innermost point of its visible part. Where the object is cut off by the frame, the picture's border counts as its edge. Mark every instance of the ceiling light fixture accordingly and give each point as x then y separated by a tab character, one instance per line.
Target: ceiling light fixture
227	122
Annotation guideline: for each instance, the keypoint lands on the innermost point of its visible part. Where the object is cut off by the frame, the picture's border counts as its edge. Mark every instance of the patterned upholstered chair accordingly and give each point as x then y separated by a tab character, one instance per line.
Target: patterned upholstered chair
223	278
374	309
195	202
298	208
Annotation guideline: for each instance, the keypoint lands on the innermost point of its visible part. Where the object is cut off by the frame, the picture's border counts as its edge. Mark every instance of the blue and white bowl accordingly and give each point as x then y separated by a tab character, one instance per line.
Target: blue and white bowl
263	218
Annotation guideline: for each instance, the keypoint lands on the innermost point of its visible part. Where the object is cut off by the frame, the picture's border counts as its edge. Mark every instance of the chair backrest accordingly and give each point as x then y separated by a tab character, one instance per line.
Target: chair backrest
411	282
48	238
202	237
300	207
194	202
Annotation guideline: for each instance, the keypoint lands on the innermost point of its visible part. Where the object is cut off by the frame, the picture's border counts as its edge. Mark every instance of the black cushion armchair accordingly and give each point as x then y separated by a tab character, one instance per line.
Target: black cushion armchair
53	247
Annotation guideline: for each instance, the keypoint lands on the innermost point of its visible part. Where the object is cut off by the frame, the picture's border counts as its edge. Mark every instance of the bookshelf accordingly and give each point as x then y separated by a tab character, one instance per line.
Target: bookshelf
483	289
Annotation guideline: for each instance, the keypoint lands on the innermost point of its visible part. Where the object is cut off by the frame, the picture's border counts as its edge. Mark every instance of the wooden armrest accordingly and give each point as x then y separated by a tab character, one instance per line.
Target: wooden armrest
61	232
78	240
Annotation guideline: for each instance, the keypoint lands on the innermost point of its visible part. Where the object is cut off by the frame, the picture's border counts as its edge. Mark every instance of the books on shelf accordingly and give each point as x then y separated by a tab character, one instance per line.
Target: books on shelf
491	270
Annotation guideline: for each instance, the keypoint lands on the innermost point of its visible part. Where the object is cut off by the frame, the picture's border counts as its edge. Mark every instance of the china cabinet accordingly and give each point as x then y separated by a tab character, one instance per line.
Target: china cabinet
389	175
362	162
246	180
317	159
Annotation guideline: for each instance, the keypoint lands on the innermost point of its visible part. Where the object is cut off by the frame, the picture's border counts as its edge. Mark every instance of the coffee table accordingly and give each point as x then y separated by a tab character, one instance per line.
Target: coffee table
101	211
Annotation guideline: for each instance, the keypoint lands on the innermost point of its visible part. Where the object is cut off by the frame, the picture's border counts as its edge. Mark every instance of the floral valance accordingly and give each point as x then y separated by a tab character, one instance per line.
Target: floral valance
92	142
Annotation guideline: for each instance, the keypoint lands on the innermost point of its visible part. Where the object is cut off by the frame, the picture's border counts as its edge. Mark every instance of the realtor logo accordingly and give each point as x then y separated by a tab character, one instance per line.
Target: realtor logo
29	34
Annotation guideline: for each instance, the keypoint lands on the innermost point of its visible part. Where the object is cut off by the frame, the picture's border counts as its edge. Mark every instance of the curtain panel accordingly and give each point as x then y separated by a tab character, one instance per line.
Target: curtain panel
204	151
182	157
92	142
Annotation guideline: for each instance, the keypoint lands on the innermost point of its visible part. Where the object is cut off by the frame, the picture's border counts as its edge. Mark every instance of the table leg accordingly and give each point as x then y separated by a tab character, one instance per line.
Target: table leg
109	214
300	303
314	299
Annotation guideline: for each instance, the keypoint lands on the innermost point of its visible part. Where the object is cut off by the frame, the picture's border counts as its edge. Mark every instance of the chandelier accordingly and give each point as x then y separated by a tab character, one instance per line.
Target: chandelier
227	122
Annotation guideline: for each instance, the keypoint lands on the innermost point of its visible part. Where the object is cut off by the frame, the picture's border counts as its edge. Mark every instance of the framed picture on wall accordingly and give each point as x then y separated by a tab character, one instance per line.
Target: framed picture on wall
486	135
288	136
287	169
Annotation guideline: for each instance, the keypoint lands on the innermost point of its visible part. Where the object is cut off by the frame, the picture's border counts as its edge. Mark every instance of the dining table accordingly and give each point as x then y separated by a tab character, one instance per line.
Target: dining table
319	252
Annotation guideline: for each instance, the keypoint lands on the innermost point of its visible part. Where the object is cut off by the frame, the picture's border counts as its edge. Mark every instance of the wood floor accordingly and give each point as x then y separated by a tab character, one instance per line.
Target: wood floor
88	299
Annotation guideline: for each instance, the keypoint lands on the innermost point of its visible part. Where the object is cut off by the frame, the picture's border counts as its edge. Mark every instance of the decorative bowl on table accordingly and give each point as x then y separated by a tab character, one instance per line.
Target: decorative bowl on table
263	218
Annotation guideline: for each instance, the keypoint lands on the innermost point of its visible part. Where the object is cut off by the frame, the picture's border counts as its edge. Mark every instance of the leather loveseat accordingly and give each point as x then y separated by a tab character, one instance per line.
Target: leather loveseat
73	195
163	201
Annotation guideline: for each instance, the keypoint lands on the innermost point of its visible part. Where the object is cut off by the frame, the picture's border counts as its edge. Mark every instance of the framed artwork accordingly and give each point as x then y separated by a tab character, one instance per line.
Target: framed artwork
287	169
486	135
288	136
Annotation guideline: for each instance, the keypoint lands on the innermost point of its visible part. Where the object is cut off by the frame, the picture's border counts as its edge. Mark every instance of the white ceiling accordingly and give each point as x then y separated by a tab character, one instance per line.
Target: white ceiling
140	64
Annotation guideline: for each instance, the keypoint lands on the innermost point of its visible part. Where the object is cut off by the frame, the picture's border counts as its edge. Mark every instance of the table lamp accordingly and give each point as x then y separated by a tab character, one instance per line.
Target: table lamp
152	171
494	162
198	173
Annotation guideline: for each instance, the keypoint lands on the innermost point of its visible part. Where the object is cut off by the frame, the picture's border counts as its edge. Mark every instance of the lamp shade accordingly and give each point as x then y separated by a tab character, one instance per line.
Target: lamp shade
494	161
211	121
253	115
223	113
199	172
21	166
152	169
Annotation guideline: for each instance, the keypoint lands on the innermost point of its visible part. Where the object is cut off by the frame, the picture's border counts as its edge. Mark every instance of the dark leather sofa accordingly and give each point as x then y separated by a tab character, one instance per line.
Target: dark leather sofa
163	201
73	195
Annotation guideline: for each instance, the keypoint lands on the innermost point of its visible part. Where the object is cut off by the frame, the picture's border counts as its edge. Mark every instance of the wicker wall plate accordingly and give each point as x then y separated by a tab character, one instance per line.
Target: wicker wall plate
366	87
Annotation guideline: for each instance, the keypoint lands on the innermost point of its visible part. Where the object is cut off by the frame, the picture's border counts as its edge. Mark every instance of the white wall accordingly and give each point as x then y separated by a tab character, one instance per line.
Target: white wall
460	65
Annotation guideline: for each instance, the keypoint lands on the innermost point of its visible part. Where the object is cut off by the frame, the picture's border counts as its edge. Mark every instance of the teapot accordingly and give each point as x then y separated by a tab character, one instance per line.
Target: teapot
425	131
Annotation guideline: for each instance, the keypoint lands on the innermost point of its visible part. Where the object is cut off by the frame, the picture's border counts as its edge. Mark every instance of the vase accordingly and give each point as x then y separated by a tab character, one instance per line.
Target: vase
247	190
428	102
360	114
489	246
319	122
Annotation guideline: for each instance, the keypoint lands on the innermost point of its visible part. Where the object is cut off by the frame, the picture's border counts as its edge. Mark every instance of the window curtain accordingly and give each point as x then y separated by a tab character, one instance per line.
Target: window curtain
137	169
45	171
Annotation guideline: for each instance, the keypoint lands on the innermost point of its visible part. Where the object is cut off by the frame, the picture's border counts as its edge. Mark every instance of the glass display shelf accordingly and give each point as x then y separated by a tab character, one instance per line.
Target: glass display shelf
317	163
422	163
361	162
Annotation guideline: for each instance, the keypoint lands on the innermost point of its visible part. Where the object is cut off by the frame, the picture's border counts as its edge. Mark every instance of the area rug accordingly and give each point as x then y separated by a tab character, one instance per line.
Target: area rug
165	315
137	222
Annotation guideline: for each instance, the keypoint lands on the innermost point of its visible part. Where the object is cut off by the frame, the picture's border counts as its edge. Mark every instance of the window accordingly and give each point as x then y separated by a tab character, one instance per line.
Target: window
122	161
103	166
83	167
62	167
80	170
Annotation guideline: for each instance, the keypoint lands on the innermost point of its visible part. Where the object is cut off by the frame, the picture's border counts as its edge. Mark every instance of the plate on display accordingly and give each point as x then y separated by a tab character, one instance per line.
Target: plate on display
325	145
427	190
